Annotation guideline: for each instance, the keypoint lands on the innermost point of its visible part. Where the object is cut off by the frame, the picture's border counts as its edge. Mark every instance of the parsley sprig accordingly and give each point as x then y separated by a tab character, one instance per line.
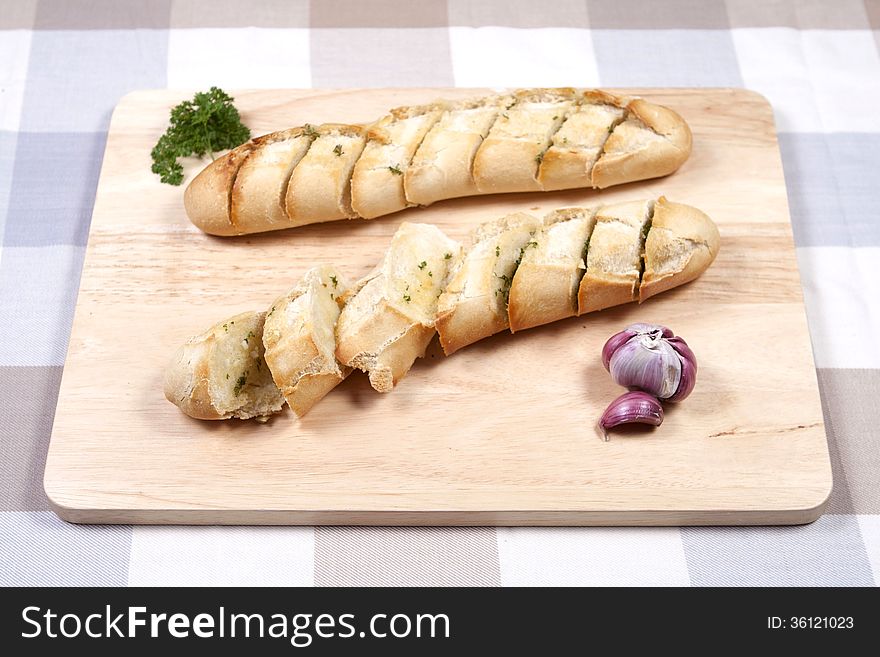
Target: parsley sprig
206	124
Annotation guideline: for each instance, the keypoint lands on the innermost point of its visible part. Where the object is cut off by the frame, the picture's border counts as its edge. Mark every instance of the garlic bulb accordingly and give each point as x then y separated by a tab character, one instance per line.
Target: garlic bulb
649	357
634	407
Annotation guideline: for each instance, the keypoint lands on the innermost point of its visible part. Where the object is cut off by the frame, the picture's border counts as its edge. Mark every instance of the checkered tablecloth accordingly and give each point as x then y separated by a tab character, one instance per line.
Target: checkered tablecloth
65	63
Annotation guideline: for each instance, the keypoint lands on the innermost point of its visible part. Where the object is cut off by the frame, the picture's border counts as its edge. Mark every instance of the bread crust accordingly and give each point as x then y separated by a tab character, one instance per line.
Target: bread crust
388	320
545	286
319	188
207	198
653	141
377	184
578	143
193	383
474	304
682	243
186	379
509	157
299	338
614	256
442	167
258	192
531	140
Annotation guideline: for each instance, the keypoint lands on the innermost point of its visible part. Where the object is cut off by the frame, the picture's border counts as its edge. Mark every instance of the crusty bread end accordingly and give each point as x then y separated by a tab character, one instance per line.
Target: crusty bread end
207	198
221	374
681	245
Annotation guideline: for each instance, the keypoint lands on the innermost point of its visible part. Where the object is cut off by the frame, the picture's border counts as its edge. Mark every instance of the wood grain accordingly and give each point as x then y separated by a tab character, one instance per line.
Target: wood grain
501	433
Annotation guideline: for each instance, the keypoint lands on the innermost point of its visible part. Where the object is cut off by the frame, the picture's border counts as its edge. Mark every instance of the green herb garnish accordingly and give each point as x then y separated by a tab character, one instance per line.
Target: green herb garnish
447	256
423	264
204	125
309	131
338	150
497	251
334	281
396	170
242	380
407	298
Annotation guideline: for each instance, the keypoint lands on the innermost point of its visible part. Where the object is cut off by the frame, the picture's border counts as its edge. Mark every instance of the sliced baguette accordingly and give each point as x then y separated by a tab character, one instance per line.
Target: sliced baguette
388	318
680	246
208	197
614	256
653	141
320	185
221	373
258	193
474	304
300	339
443	164
534	139
508	158
377	184
568	163
545	286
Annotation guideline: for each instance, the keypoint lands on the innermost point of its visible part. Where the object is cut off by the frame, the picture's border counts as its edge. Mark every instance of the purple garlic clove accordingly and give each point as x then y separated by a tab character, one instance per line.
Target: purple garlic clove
613	344
632	407
688	369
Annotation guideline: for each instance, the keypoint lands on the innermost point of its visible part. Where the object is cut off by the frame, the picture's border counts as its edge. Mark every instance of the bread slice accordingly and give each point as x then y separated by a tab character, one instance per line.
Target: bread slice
258	193
545	286
474	304
208	197
577	144
388	318
442	165
614	256
221	373
508	159
377	184
653	141
320	186
300	338
680	246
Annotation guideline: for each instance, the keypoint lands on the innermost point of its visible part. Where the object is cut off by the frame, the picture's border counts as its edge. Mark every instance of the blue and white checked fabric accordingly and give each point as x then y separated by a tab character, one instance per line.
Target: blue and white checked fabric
65	63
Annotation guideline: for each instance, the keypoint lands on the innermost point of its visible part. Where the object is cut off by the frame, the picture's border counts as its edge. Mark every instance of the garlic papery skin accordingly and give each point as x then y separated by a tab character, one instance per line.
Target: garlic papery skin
649	357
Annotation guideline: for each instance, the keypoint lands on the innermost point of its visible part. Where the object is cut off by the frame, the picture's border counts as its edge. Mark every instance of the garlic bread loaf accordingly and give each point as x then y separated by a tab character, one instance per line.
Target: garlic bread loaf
545	285
388	318
300	338
474	304
530	140
519	271
221	373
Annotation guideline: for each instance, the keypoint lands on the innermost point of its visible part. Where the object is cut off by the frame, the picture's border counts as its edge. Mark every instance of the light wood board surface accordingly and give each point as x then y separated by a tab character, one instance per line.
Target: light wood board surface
501	433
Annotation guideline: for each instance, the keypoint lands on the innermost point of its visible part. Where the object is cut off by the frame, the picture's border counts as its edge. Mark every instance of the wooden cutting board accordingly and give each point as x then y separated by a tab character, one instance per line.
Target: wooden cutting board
503	432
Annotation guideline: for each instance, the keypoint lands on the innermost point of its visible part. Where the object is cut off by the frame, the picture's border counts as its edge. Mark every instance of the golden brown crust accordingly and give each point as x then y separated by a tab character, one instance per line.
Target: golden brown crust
219	374
682	243
505	143
320	186
311	389
614	256
509	157
207	198
653	141
186	380
545	286
257	201
377	183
